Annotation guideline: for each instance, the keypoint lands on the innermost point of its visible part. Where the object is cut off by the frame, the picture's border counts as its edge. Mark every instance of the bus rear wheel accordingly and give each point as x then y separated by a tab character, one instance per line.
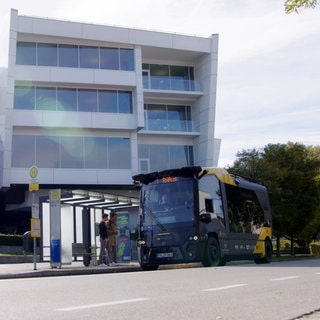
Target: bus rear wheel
268	253
212	255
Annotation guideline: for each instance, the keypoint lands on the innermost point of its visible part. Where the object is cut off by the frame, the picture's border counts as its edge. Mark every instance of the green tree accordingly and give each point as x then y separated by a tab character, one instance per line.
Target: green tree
294	5
291	173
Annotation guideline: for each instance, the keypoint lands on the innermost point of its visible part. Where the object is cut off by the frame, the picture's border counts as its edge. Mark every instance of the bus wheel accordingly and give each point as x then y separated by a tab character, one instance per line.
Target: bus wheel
212	255
268	253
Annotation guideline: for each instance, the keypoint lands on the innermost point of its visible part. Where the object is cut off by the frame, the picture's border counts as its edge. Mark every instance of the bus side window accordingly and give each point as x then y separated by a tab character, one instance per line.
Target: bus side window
208	205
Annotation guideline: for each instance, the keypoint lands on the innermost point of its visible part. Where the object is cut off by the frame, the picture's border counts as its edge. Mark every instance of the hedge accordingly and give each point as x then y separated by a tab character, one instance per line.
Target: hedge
11	240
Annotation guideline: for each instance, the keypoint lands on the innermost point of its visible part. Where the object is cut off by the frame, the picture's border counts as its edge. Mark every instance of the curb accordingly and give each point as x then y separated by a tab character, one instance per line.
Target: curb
69	271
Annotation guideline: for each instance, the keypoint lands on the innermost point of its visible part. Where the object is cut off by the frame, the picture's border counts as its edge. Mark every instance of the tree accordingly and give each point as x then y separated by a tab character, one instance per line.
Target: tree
291	173
294	5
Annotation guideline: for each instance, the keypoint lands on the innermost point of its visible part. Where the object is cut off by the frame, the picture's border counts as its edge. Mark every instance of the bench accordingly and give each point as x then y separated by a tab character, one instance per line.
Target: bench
80	250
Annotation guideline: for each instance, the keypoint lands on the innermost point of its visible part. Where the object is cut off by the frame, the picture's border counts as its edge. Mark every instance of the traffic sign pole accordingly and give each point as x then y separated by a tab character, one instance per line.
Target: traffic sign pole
33	187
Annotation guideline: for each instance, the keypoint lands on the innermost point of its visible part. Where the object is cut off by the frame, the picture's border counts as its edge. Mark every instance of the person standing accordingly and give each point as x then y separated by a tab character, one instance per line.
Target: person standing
103	232
112	238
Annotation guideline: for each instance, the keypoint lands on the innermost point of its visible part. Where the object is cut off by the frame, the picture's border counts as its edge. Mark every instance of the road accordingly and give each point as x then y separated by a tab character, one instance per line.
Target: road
281	291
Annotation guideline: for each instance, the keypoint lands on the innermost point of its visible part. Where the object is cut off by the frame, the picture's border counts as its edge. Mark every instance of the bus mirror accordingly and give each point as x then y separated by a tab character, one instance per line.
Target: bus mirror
205	217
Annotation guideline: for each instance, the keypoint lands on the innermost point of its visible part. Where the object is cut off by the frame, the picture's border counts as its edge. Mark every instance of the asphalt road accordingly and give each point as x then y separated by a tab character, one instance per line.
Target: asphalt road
281	291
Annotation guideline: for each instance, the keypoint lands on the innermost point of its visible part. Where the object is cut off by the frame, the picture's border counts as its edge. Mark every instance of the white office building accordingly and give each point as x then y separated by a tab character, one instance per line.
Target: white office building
91	105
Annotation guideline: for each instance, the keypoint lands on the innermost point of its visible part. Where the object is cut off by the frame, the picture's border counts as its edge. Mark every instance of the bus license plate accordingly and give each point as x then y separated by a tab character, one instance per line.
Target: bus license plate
165	255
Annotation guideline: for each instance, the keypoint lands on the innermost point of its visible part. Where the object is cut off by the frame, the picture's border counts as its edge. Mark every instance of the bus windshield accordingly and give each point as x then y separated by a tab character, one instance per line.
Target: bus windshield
168	200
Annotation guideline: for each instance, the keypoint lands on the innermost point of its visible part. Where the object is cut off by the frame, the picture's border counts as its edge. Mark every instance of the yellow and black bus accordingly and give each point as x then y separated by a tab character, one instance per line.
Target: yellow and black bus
201	214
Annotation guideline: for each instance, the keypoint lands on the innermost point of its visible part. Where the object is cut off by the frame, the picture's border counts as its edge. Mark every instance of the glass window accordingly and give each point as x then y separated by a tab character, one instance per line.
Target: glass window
244	211
68	56
179	76
23	155
119	154
23	98
159	157
45	98
109	58
177	118
125	102
89	57
95	155
87	100
163	157
47	152
66	99
108	101
72	152
26	53
143	151
126	59
47	54
159	76
210	196
179	156
157	117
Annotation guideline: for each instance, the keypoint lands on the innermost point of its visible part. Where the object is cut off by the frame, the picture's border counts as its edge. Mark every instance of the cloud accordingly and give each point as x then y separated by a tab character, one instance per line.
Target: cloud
268	65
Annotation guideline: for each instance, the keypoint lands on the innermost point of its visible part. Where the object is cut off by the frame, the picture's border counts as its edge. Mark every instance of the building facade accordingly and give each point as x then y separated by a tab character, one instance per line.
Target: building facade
92	105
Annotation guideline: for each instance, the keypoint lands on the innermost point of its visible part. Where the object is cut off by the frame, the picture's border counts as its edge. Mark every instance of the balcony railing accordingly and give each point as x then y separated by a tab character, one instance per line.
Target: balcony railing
170	83
169	125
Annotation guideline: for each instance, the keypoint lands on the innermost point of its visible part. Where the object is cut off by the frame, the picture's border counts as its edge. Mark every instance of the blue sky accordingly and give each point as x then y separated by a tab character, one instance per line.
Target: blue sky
268	66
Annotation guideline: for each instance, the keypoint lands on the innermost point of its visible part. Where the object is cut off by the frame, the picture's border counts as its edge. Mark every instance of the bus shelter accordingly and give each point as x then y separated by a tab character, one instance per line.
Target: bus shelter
69	224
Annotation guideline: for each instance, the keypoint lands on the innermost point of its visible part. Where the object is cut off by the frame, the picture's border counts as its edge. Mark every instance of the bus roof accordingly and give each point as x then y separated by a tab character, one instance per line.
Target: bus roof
197	172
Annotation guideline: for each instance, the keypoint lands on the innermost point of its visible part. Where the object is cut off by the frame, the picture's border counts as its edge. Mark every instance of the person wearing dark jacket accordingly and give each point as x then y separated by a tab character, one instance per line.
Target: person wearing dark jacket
104	256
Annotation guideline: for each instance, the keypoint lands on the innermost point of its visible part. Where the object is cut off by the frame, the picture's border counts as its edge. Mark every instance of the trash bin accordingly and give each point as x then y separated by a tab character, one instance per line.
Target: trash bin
27	242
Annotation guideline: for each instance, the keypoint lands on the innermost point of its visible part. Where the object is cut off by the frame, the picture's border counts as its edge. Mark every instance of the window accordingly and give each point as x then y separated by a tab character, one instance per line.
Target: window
23	155
24	98
72	99
68	56
210	196
159	76
109	58
46	98
168	77
179	76
125	102
47	151
26	53
47	54
244	210
179	156
89	57
87	100
95	149
126	59
168	117
72	152
166	156
66	99
119	154
108	101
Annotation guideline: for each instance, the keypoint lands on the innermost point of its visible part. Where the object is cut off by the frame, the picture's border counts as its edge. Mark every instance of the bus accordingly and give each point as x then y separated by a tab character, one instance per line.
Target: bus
201	214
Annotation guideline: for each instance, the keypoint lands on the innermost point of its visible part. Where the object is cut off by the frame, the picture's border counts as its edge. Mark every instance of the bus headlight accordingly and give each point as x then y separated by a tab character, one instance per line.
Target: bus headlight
193	238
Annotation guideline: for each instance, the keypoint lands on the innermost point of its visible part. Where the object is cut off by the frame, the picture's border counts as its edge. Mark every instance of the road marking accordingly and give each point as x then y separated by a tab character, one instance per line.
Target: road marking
285	278
103	304
226	287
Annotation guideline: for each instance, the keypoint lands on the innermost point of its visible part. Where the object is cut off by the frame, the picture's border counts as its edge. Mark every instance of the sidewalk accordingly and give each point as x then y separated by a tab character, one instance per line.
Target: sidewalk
43	269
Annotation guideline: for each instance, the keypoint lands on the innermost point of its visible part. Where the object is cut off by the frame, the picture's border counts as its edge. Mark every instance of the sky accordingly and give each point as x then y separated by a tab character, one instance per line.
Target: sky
268	88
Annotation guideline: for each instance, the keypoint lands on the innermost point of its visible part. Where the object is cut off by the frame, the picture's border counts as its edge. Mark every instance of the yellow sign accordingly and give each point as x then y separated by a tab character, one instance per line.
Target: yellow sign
33	186
35	228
